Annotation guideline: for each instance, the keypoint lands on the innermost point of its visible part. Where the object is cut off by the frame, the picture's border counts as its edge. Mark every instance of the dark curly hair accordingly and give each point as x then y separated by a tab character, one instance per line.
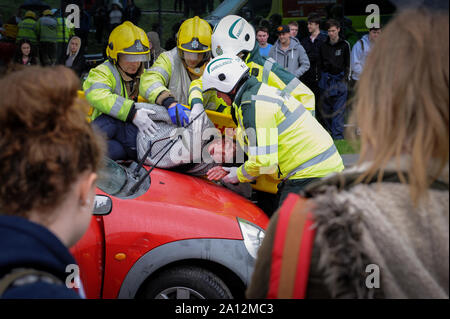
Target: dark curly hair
45	140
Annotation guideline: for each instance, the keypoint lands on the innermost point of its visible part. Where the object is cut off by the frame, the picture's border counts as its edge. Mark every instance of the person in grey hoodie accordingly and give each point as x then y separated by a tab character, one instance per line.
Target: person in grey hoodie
289	53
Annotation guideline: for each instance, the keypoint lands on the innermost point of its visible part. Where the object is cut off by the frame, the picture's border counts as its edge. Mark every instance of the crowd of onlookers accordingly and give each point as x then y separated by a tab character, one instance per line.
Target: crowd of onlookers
321	56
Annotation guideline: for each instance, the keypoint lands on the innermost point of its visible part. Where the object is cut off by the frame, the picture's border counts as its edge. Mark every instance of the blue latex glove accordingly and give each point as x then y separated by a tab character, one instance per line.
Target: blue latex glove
178	114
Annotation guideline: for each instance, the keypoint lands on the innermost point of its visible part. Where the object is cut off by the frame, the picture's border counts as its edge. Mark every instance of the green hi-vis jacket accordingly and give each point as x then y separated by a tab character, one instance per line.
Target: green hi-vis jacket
27	29
280	137
63	33
106	93
46	29
267	71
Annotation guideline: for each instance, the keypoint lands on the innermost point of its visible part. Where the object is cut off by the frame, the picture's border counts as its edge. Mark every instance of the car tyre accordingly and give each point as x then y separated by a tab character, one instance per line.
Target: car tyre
187	282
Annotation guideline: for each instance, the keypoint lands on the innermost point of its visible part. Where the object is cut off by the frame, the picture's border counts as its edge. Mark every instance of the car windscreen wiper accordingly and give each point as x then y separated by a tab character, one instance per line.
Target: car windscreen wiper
169	144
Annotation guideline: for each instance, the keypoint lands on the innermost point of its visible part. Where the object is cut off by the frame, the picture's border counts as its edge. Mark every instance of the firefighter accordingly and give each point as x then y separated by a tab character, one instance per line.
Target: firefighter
167	82
280	137
112	89
234	35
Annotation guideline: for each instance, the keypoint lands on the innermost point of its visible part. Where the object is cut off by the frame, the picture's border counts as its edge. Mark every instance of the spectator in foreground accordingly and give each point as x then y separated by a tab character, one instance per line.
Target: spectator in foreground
50	156
381	229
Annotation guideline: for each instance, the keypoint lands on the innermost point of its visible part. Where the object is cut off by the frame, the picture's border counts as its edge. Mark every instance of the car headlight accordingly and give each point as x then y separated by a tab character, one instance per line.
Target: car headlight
253	236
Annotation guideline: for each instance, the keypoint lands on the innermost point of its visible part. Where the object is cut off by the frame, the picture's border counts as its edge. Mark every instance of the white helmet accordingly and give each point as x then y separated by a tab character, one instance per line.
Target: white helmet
223	73
232	35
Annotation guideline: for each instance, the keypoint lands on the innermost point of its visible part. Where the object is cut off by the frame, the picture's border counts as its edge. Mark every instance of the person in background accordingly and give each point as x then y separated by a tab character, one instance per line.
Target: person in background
99	20
381	228
50	157
293	28
26	53
335	67
289	53
262	34
27	28
132	12
47	36
155	47
361	50
312	44
63	33
74	58
115	15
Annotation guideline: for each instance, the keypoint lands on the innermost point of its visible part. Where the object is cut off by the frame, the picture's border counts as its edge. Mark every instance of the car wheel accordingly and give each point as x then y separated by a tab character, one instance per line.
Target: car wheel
187	282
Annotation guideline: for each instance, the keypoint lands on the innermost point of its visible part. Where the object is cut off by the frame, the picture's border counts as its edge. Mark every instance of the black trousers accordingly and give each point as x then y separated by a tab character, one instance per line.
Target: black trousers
292	186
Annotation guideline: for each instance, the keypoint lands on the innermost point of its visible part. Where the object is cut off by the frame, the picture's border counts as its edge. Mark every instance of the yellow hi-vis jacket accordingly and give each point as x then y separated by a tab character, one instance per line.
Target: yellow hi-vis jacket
106	93
267	71
280	137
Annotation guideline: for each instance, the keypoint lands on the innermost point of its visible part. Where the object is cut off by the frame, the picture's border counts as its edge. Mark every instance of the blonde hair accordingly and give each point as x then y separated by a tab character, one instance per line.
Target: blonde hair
402	100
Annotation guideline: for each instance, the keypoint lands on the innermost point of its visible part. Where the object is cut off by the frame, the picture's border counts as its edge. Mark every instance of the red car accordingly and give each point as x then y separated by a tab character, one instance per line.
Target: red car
167	235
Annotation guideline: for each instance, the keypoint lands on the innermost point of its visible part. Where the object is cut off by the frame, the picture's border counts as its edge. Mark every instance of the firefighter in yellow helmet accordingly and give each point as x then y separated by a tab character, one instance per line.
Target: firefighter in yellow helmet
112	89
167	81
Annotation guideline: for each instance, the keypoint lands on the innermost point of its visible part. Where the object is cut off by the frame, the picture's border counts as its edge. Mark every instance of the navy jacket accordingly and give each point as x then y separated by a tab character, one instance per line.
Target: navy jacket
25	244
335	58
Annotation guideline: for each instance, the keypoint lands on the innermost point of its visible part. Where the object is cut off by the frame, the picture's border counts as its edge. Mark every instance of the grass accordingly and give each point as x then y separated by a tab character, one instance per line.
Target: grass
347	147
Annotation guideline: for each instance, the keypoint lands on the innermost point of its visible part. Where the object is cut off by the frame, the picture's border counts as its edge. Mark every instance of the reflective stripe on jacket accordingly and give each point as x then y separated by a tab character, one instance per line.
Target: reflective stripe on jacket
266	70
280	137
269	72
166	74
105	92
27	29
60	35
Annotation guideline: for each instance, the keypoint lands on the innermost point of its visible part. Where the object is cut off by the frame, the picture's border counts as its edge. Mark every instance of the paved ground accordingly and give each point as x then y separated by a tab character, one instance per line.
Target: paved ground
349	159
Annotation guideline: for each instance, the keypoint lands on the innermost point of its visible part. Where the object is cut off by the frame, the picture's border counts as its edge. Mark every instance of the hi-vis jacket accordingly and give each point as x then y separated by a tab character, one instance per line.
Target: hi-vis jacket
27	29
280	137
46	29
267	71
63	33
166	74
106	93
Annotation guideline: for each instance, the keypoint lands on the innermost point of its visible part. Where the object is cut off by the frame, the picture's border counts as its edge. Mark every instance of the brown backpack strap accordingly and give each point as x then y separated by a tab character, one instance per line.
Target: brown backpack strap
16	274
292	249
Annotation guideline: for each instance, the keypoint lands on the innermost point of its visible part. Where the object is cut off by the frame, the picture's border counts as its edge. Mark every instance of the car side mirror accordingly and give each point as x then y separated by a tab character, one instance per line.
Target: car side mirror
102	205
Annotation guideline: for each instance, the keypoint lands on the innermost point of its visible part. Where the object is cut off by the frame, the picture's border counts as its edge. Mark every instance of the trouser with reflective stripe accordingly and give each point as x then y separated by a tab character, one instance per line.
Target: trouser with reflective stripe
292	186
121	137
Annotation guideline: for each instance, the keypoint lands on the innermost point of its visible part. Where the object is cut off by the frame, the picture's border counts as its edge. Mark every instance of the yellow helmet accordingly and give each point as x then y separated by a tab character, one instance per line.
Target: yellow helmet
30	14
129	40
47	12
194	36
